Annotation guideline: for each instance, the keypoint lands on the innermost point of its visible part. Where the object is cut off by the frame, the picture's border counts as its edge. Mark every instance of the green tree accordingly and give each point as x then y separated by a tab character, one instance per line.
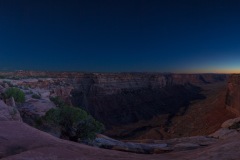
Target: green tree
87	128
16	93
74	123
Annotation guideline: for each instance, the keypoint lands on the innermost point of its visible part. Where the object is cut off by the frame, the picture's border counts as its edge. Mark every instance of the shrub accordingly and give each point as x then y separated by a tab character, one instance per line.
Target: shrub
74	123
58	101
16	93
87	128
36	96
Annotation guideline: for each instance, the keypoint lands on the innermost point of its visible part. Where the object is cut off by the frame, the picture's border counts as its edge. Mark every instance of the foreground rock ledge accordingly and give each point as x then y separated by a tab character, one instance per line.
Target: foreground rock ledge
19	141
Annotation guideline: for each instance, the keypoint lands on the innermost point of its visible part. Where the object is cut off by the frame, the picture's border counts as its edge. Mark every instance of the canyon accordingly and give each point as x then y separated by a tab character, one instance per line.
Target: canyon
139	108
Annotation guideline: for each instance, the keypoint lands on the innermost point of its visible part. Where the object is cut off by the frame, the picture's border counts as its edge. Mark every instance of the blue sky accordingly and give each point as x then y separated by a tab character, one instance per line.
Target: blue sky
120	35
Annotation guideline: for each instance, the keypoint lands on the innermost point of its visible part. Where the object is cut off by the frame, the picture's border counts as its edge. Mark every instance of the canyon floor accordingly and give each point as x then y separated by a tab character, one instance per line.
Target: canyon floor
202	117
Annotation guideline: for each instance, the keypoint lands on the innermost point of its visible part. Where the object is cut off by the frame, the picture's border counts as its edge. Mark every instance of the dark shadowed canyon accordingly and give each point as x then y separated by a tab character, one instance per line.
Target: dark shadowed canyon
122	100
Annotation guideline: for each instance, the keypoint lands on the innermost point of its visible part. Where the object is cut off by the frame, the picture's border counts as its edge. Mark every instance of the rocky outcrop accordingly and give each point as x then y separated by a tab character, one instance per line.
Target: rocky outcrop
109	143
32	109
233	94
231	122
228	129
11	102
138	96
154	146
30	143
9	113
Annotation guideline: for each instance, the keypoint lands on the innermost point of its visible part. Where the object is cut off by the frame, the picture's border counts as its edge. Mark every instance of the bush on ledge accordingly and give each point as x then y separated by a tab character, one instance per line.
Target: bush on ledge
75	124
16	93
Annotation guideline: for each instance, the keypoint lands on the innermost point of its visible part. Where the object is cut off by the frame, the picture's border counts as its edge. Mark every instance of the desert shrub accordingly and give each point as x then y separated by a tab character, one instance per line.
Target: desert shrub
16	93
36	96
75	124
87	128
58	101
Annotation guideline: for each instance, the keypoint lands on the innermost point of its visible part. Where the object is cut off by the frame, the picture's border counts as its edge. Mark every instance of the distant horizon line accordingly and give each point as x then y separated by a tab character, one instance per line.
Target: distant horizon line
78	71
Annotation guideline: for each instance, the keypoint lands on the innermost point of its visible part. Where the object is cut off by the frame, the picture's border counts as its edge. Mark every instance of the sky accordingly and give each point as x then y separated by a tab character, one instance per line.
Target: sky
187	36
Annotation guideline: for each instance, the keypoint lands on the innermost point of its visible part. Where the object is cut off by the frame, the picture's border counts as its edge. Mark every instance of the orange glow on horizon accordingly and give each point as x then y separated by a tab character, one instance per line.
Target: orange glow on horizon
217	71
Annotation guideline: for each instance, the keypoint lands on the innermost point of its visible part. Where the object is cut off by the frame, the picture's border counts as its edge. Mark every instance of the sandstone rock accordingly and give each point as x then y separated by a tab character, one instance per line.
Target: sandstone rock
155	146
11	102
185	146
63	92
8	113
45	94
35	108
2	89
108	143
230	122
30	143
5	85
224	133
232	95
227	149
199	140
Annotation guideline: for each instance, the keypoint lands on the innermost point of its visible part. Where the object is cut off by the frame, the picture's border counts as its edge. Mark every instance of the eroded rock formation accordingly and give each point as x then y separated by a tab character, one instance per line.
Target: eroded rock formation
9	113
121	98
233	94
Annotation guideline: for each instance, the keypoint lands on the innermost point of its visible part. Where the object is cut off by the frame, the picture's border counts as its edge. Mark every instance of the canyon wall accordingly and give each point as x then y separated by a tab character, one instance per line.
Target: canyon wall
233	94
122	98
119	99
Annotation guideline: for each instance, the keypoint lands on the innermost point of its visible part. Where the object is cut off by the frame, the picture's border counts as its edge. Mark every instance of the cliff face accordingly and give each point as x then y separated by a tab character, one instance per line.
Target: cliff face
148	104
233	94
123	98
119	99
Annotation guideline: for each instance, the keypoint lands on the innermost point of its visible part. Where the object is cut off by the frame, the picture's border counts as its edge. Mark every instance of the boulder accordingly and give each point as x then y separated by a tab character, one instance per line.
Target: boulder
230	122
11	102
224	133
9	113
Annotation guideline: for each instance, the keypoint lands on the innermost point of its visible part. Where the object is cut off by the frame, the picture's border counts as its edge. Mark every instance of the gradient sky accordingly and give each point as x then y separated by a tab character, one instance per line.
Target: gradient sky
120	35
